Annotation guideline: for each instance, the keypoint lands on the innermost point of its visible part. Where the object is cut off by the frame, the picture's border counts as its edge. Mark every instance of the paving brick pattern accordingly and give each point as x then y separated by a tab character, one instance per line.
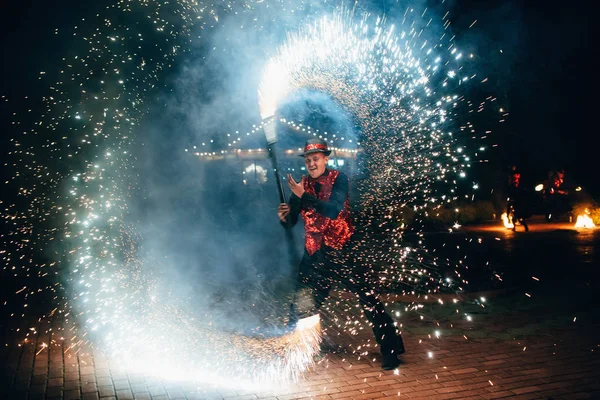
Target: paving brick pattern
564	365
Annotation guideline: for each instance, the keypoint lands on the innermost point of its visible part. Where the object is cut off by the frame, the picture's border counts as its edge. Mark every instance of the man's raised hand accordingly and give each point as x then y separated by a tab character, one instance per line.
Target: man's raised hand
295	187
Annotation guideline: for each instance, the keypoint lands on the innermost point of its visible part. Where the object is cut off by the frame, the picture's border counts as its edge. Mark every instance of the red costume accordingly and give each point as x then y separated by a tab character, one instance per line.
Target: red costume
319	229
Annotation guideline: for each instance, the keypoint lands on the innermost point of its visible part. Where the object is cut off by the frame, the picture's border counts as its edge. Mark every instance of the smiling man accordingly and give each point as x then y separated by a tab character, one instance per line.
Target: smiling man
322	199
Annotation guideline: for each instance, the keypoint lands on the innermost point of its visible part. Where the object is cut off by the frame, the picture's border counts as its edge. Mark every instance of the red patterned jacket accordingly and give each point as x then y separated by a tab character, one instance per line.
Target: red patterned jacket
326	219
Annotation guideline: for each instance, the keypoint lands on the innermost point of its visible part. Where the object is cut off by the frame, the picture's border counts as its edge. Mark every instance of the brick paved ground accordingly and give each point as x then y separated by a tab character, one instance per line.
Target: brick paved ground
503	353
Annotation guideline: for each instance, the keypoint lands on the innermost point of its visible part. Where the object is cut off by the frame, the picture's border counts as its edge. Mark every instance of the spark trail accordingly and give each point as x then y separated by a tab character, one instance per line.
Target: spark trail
73	176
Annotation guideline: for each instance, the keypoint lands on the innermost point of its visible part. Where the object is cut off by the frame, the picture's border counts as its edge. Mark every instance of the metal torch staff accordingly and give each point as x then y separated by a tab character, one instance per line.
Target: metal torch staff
271	135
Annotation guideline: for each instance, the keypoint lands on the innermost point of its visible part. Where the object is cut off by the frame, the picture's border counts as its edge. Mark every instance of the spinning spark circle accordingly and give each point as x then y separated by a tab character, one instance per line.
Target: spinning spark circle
399	88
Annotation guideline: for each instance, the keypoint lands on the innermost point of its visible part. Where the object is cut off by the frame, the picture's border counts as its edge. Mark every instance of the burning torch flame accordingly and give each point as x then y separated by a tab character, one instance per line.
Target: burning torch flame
275	85
308	322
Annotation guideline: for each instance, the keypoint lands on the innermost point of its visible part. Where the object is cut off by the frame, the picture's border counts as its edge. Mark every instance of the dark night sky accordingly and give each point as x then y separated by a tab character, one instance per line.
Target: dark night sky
546	73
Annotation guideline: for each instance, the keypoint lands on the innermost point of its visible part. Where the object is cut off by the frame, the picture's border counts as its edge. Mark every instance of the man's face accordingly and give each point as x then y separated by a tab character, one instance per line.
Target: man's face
316	164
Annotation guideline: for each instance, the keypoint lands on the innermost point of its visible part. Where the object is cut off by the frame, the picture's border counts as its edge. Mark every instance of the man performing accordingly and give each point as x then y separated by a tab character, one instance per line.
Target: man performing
323	200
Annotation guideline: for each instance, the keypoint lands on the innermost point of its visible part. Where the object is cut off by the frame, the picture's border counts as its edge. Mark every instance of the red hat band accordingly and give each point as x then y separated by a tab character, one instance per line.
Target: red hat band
315	146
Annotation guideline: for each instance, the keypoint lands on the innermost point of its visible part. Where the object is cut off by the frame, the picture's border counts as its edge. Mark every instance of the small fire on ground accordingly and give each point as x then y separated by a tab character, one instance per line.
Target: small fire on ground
584	221
506	221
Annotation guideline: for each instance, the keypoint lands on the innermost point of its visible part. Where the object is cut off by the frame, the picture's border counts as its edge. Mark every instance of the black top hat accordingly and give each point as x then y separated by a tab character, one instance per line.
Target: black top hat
315	146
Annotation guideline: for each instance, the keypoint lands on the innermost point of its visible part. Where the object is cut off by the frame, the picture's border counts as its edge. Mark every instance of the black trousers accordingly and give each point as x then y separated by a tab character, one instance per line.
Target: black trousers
328	267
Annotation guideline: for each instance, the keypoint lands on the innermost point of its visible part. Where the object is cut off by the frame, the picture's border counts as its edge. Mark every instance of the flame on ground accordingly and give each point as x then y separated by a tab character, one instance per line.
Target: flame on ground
506	221
584	221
